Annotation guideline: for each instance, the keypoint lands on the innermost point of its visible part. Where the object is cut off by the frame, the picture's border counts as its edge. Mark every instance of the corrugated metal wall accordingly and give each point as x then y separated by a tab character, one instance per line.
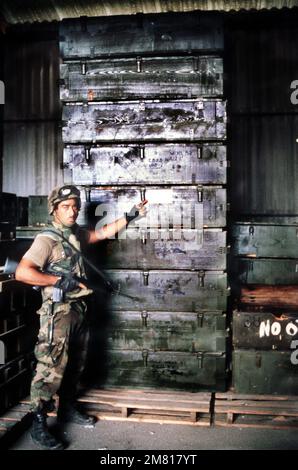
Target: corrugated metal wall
261	65
32	147
51	10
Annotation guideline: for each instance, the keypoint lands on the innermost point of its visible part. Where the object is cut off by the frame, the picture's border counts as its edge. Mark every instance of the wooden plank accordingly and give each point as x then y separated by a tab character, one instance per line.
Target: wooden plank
142	78
143	418
254	422
144	121
144	404
258	397
151	394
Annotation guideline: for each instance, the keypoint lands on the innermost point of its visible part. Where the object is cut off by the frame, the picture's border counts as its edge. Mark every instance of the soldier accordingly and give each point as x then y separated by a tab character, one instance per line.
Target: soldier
54	263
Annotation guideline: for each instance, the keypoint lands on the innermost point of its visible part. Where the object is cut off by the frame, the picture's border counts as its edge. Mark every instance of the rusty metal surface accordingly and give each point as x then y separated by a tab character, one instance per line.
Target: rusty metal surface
170	290
175	206
164	248
141	78
168	331
197	371
151	164
144	121
55	10
264	330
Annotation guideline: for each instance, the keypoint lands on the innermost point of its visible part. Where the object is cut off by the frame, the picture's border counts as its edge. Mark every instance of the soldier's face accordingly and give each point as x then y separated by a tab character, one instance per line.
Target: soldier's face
67	212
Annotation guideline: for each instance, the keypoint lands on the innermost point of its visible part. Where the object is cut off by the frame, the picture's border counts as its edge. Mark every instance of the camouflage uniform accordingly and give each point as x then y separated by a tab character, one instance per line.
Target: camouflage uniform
63	336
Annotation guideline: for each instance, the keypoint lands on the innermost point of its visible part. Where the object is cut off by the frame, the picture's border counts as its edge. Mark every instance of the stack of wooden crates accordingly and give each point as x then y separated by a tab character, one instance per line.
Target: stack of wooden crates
144	118
265	326
17	308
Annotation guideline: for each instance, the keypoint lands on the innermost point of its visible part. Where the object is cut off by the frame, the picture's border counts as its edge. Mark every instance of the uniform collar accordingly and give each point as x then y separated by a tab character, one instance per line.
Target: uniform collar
66	231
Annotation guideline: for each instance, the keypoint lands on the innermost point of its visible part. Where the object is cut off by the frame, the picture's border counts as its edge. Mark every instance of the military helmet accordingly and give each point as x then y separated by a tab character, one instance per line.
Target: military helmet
62	193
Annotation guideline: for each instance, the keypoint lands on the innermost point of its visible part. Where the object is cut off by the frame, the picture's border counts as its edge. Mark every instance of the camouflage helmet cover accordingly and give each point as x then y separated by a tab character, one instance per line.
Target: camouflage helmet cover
62	193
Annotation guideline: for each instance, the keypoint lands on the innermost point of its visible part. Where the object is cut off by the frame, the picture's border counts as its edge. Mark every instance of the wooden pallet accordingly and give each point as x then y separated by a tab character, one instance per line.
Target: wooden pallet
13	422
266	411
149	406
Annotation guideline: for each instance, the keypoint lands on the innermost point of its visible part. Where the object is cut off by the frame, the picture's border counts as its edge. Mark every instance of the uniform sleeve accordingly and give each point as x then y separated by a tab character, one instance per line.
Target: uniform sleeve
40	251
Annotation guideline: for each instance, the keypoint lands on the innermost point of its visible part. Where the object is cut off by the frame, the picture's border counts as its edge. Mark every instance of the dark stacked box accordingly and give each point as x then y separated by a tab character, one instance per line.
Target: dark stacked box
265	327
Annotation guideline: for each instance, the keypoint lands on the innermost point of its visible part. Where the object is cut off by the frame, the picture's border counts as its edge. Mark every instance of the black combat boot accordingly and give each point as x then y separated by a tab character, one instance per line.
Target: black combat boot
68	413
40	433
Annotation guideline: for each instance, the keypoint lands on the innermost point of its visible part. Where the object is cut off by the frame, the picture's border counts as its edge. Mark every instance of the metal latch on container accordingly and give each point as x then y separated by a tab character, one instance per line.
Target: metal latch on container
200	357
199	153
195	64
200	318
144	316
201	275
83	68
142	152
200	193
145	277
143	233
87	155
139	64
251	231
88	194
258	360
143	194
145	354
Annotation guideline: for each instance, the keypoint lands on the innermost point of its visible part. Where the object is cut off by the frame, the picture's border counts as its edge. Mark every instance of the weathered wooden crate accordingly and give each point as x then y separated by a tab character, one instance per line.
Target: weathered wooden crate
166	290
264	330
22	211
13	343
175	206
141	78
190	371
164	248
96	37
263	411
38	210
11	322
266	271
145	164
168	331
8	208
262	297
266	372
265	240
149	406
144	121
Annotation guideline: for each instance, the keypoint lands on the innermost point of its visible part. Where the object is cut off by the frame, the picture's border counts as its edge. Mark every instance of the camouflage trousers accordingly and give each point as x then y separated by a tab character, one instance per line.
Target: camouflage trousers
60	351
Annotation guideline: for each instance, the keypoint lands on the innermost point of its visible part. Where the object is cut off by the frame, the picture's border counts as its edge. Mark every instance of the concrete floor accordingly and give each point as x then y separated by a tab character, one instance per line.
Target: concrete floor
113	435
